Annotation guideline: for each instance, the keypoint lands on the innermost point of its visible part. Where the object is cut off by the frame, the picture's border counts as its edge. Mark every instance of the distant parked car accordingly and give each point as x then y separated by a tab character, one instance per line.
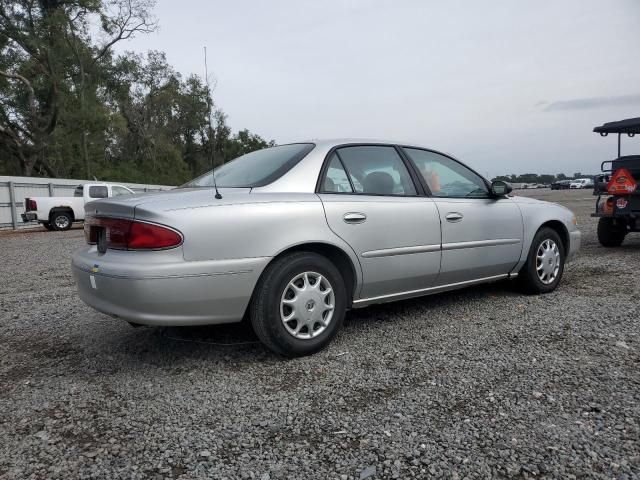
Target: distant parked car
59	213
560	185
581	183
299	233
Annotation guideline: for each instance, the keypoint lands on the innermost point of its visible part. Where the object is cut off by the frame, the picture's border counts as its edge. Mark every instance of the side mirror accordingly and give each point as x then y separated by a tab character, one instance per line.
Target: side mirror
500	188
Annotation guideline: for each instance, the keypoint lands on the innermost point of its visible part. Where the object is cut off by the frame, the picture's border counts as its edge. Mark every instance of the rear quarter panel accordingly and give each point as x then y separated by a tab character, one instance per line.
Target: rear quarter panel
46	204
254	225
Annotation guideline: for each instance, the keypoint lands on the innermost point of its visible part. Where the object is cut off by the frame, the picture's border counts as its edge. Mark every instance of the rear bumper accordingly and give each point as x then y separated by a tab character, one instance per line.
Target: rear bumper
29	217
166	293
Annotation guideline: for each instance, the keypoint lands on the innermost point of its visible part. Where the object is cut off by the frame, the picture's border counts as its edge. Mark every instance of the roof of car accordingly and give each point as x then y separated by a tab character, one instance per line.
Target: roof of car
347	141
630	125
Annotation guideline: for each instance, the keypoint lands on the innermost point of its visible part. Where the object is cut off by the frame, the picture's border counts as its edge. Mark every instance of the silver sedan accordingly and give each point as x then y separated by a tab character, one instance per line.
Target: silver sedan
292	236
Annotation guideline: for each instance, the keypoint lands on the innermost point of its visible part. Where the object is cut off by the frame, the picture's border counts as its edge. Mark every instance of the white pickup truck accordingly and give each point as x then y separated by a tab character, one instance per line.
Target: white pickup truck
59	213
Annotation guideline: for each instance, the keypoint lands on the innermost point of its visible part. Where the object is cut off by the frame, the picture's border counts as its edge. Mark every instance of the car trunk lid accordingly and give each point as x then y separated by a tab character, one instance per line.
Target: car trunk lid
125	206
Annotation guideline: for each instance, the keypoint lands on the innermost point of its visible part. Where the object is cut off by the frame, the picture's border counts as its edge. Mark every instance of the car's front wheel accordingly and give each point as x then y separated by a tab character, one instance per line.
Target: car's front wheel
299	304
543	269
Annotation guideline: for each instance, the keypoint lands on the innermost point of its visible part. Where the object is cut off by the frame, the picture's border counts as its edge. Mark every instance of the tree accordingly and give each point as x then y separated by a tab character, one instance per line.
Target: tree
32	66
70	106
48	54
119	20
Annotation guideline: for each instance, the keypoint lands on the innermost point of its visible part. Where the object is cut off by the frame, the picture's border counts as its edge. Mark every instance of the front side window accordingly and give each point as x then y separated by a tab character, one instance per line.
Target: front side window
375	170
255	169
446	177
98	191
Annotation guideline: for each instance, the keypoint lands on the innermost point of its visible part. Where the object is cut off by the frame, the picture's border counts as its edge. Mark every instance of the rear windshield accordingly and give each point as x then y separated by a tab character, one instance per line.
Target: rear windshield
78	191
255	169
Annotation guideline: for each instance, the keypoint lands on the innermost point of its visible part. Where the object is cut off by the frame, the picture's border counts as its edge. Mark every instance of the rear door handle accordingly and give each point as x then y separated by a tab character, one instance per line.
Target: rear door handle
354	217
454	217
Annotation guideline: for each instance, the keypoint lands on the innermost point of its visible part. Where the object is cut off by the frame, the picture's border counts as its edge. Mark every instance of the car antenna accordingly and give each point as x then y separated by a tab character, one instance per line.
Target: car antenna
211	140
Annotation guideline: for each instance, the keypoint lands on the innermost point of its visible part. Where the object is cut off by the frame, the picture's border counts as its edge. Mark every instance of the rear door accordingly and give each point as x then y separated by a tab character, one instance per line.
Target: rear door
372	202
481	235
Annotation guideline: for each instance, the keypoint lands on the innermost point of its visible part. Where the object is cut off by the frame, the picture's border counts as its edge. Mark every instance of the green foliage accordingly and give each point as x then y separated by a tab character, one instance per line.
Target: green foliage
69	107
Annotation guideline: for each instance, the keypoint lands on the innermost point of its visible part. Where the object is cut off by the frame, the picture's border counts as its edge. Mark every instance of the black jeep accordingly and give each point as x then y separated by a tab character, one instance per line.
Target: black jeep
620	211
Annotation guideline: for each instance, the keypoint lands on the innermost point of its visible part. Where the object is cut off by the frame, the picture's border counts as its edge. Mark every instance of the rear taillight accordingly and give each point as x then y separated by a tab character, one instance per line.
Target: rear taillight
621	183
123	234
607	206
32	206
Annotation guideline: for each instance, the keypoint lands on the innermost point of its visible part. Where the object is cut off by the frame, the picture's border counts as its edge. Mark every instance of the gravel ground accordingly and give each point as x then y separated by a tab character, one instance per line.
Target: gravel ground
477	383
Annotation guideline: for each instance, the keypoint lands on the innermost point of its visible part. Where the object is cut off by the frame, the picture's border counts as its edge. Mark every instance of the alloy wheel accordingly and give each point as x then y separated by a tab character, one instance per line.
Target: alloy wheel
61	221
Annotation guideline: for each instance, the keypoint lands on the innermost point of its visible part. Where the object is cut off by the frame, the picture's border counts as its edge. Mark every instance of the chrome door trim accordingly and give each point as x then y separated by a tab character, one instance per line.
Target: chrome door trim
390	252
363	302
480	243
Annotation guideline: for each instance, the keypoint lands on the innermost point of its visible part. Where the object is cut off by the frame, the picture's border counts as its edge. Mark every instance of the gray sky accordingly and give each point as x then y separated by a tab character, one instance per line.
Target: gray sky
506	86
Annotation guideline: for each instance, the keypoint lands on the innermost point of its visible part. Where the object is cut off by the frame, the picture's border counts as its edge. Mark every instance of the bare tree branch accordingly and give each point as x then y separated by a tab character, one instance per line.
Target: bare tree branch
132	18
31	94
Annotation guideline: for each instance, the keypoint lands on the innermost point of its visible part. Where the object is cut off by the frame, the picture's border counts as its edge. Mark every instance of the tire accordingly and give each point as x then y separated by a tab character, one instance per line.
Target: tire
275	298
60	220
610	234
539	275
47	225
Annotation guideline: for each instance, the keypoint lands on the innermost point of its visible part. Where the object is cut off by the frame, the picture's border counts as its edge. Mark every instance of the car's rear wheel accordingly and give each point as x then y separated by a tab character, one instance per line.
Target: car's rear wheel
47	225
610	234
543	269
61	220
299	304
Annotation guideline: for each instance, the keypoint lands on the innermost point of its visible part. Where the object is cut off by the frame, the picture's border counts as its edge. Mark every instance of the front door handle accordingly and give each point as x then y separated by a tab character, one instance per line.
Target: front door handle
454	217
354	217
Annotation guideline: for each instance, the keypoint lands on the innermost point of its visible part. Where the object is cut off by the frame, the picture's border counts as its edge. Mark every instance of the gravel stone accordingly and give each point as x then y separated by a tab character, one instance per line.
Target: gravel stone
370	471
441	386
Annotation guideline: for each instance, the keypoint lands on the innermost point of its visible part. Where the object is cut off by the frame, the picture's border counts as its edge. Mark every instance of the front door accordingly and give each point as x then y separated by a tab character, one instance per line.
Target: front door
372	202
481	235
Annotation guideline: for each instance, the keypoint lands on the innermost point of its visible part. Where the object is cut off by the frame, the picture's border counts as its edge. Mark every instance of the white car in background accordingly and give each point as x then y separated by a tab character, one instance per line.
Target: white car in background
59	213
582	183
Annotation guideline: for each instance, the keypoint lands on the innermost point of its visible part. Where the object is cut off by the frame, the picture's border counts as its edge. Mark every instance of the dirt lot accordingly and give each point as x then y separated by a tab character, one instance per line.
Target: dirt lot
482	382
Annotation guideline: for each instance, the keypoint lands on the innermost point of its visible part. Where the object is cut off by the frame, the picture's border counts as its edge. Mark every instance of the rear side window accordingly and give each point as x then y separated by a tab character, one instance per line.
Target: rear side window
375	170
98	191
336	180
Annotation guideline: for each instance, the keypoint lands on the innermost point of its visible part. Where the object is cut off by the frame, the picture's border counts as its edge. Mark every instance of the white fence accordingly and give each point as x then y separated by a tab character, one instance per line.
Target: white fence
13	191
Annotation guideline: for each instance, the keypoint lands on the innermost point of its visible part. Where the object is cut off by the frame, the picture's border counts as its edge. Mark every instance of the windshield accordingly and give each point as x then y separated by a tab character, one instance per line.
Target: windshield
255	169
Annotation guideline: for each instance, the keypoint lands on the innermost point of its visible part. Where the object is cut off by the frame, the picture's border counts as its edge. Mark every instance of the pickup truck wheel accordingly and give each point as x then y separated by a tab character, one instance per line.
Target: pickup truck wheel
47	225
299	304
610	234
545	263
61	220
